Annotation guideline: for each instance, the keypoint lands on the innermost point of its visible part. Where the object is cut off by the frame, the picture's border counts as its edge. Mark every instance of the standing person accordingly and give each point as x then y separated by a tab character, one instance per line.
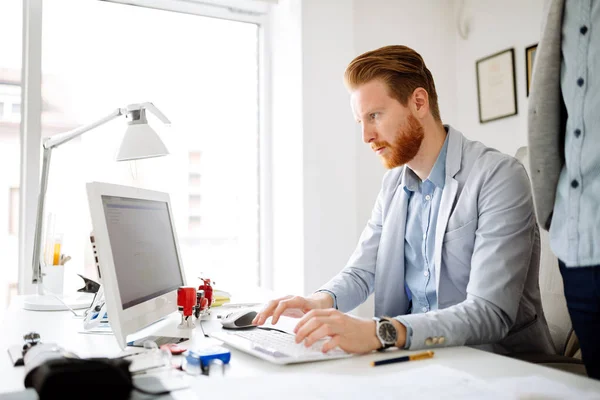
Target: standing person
451	250
564	156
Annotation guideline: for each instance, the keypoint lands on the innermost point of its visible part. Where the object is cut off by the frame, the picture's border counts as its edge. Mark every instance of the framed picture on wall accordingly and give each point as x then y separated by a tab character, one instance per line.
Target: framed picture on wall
529	59
496	86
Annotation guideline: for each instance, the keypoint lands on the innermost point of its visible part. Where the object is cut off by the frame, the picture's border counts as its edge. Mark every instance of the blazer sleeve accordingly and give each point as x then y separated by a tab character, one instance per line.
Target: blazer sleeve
353	285
502	253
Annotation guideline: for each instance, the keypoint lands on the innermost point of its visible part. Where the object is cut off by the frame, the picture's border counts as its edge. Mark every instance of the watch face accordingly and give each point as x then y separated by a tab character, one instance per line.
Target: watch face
387	332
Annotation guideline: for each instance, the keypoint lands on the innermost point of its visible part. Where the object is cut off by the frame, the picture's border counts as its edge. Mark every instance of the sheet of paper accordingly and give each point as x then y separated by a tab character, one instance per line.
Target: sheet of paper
538	387
431	382
423	383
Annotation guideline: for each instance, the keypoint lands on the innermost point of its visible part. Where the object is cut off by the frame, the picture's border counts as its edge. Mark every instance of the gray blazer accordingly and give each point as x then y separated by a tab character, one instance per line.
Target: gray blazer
486	257
547	117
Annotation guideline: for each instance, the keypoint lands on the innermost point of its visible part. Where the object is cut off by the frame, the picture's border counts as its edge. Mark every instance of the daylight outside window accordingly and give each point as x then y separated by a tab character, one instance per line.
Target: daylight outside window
203	74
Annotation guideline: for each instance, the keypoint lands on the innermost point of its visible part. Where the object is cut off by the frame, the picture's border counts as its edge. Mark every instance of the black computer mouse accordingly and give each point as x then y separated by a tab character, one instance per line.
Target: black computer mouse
238	319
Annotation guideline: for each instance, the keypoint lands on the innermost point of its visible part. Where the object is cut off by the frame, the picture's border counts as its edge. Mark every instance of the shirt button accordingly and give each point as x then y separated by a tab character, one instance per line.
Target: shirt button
574	184
577	132
580	82
425	309
426	273
583	30
428	197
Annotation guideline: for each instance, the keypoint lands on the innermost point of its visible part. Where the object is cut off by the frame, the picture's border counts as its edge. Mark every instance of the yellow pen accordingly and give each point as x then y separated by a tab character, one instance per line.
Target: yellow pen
57	245
412	357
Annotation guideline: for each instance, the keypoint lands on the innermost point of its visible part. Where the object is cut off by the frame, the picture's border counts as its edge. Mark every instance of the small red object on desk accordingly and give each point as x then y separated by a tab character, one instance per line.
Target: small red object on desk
186	298
208	291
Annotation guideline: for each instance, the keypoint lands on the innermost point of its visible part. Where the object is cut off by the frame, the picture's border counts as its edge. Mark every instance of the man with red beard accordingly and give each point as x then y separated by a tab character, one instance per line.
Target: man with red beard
451	251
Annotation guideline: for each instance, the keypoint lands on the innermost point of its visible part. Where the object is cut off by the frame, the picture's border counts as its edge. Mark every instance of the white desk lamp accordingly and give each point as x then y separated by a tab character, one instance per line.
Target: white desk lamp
140	141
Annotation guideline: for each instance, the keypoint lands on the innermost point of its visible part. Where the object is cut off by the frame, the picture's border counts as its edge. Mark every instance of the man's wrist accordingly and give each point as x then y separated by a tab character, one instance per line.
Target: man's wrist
401	329
375	340
322	299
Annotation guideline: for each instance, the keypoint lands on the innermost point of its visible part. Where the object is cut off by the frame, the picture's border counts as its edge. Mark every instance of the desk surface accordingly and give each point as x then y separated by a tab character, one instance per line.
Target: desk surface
63	328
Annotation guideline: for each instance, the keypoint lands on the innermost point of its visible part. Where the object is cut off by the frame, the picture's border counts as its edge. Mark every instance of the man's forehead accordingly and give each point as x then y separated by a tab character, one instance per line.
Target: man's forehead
370	95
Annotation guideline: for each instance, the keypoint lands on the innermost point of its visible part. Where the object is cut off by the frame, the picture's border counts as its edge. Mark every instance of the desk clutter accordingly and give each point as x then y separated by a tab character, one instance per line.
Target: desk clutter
55	372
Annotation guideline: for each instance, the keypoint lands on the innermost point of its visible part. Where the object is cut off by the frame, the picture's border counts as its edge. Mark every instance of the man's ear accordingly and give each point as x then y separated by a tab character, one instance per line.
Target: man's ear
420	102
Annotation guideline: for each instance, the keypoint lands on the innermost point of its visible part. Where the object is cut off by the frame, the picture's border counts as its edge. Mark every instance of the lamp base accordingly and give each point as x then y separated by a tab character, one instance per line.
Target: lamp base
47	302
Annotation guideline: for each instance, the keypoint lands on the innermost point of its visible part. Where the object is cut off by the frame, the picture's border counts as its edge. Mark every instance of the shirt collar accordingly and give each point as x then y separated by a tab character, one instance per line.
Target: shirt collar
437	176
438	173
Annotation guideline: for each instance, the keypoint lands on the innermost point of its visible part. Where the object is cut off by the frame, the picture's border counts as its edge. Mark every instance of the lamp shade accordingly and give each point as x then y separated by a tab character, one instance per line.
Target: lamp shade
141	141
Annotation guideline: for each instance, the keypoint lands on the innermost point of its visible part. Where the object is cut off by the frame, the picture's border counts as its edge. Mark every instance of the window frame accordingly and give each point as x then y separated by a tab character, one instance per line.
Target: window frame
249	11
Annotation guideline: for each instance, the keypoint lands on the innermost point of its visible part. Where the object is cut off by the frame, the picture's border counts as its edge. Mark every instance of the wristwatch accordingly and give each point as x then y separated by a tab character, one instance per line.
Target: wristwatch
386	333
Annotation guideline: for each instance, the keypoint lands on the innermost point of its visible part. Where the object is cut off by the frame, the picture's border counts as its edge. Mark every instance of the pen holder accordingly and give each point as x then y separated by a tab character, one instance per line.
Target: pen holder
54	276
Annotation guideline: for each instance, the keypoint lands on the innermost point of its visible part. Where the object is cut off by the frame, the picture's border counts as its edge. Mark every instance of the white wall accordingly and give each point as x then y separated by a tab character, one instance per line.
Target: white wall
330	192
314	185
496	26
287	148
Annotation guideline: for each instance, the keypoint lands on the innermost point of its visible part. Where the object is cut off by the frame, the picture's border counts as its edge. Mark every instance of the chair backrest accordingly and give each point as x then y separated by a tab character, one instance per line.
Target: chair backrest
551	286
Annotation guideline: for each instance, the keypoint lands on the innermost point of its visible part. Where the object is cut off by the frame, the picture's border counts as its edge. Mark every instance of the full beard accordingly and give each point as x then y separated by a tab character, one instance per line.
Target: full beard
406	146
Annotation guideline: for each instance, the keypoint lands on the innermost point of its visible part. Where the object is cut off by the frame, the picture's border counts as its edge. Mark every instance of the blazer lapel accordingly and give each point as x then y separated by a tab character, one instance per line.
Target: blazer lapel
453	160
391	299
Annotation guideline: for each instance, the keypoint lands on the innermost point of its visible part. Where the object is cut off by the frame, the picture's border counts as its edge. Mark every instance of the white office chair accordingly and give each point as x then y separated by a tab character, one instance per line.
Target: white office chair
568	354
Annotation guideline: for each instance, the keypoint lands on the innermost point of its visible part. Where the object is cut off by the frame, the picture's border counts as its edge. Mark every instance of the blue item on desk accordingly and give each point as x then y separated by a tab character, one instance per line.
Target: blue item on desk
199	361
209	354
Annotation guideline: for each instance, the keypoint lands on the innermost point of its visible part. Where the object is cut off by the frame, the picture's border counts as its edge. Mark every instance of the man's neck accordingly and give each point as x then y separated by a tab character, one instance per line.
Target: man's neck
433	140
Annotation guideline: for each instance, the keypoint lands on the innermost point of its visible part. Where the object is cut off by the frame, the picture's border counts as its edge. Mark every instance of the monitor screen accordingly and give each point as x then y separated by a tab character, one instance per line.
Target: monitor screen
143	248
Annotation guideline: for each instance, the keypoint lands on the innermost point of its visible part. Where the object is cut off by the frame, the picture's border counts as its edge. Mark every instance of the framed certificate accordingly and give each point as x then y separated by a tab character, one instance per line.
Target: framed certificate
529	58
496	86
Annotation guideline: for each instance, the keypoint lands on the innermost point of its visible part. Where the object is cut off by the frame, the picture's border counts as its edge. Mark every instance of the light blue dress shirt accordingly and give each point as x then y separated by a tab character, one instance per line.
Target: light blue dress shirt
419	239
575	228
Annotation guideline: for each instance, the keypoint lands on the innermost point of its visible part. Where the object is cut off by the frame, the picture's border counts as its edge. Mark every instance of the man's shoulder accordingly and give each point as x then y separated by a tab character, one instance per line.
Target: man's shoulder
478	157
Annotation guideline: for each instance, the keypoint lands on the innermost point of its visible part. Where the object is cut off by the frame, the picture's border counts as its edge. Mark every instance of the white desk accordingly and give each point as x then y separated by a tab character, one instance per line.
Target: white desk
62	328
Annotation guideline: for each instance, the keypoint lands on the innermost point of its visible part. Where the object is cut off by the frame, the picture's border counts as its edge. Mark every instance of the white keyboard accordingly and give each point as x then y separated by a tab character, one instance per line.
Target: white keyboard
276	346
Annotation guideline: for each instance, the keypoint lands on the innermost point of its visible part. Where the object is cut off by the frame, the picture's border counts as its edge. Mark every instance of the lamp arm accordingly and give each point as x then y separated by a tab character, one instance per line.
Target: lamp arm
57	140
49	144
37	240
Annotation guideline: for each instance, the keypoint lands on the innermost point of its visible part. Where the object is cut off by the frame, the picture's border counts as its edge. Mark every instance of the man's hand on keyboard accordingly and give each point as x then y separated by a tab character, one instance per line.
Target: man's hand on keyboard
351	334
292	306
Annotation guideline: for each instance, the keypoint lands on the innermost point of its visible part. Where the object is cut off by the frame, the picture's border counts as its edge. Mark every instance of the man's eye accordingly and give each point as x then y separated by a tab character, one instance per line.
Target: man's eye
373	115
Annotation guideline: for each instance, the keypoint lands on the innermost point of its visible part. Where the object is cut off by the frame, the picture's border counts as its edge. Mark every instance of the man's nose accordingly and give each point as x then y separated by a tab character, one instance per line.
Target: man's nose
368	134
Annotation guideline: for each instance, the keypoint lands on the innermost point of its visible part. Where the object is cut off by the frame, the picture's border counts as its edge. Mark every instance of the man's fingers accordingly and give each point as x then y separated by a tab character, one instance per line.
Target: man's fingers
291	302
267	311
314	313
324	330
331	343
309	327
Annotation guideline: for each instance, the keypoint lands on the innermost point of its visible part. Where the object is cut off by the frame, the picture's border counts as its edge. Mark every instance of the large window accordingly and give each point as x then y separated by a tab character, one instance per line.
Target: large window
10	122
202	73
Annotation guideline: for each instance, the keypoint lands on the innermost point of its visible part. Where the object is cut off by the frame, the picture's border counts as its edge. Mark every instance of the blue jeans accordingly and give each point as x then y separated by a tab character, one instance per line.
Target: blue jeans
582	291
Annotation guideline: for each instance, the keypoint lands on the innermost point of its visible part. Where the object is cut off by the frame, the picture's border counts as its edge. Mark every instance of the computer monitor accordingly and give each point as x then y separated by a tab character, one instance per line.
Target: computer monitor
138	255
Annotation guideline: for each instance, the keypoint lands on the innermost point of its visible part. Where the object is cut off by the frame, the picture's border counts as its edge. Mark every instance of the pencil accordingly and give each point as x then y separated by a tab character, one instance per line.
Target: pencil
412	357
